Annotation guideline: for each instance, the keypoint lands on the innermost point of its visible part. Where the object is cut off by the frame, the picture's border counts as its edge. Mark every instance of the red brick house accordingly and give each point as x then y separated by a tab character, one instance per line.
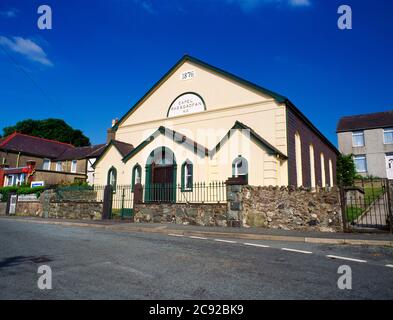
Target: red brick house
24	159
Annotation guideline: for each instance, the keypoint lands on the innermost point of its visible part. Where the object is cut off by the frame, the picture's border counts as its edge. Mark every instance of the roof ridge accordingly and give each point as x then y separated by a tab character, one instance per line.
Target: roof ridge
7	139
366	114
40	138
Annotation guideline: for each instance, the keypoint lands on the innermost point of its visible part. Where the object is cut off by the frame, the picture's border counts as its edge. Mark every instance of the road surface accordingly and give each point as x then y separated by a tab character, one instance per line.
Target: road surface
90	263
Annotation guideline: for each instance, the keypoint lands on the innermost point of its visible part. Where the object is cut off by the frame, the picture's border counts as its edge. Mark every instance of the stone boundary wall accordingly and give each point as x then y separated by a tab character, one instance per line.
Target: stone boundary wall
199	214
291	208
75	210
3	208
78	205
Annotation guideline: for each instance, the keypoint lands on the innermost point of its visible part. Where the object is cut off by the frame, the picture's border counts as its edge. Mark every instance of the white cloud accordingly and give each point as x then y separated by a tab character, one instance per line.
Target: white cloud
10	13
249	5
26	47
146	5
300	3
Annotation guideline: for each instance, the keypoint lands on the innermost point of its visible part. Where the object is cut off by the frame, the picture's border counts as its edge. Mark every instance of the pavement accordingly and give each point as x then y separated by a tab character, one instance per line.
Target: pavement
108	263
375	239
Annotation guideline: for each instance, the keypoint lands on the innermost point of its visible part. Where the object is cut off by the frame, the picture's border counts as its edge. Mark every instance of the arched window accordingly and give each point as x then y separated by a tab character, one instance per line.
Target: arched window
312	166
112	177
240	168
298	157
136	176
331	173
187	176
323	172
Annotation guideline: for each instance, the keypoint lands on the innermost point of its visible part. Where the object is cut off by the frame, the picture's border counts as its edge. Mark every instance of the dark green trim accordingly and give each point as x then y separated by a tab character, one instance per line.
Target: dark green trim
108	176
136	167
278	97
147	182
189	92
105	150
291	106
233	167
162	130
256	137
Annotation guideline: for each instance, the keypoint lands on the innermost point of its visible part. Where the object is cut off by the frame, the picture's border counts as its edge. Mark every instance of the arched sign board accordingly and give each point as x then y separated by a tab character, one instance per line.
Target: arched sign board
185	104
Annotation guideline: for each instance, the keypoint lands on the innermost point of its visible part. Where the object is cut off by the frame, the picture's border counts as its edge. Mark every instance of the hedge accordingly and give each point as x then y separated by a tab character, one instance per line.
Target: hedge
5	191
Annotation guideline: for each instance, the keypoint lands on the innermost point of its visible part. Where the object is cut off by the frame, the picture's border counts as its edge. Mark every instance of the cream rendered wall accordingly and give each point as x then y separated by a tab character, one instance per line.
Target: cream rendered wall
182	153
226	102
111	158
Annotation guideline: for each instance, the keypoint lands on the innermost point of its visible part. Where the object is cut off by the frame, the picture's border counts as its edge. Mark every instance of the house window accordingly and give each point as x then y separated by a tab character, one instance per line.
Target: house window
388	136
360	163
46	164
112	177
58	166
358	139
10	180
298	159
73	165
240	168
187	173
136	175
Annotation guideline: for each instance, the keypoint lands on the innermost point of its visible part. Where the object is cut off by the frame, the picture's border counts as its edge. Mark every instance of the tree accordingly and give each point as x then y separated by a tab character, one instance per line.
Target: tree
346	171
54	129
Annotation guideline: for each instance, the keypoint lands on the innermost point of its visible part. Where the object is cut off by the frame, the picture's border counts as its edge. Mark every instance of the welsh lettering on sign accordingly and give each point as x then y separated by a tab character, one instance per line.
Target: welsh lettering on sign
185	104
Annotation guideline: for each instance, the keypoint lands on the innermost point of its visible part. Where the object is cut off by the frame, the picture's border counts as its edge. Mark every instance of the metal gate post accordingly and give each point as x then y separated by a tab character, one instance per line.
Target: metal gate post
122	204
343	208
389	205
107	206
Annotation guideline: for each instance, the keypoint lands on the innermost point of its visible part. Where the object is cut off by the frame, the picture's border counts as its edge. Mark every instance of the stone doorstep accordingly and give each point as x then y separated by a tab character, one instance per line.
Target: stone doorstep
245	236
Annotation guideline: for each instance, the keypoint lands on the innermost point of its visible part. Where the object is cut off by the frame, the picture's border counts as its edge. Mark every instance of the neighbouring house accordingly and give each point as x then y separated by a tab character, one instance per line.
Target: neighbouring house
369	137
24	159
199	123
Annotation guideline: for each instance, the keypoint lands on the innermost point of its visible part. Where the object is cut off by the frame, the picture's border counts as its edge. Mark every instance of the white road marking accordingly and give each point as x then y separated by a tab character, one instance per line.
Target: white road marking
200	238
345	258
256	245
175	235
226	241
298	251
389	265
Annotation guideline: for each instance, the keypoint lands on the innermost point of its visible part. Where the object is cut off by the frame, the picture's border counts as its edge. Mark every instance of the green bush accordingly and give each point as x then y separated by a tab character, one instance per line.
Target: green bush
346	171
5	191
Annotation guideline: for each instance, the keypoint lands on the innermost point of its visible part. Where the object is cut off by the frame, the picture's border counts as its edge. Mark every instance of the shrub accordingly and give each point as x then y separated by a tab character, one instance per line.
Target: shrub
346	171
5	191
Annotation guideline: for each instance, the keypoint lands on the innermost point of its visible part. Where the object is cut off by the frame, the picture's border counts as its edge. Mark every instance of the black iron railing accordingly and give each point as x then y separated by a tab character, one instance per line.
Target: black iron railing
212	192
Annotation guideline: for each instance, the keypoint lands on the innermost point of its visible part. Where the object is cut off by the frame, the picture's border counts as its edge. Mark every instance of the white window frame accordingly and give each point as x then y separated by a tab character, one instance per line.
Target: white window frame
358	157
48	162
74	164
59	165
387	130
357	134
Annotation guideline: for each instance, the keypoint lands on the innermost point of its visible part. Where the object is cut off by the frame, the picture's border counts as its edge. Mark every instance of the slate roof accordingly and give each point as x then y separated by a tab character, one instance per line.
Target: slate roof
123	147
45	148
366	121
34	146
82	152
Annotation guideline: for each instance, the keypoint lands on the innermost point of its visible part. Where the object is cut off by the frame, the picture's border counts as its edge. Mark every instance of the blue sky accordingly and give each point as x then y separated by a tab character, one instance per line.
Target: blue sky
101	56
